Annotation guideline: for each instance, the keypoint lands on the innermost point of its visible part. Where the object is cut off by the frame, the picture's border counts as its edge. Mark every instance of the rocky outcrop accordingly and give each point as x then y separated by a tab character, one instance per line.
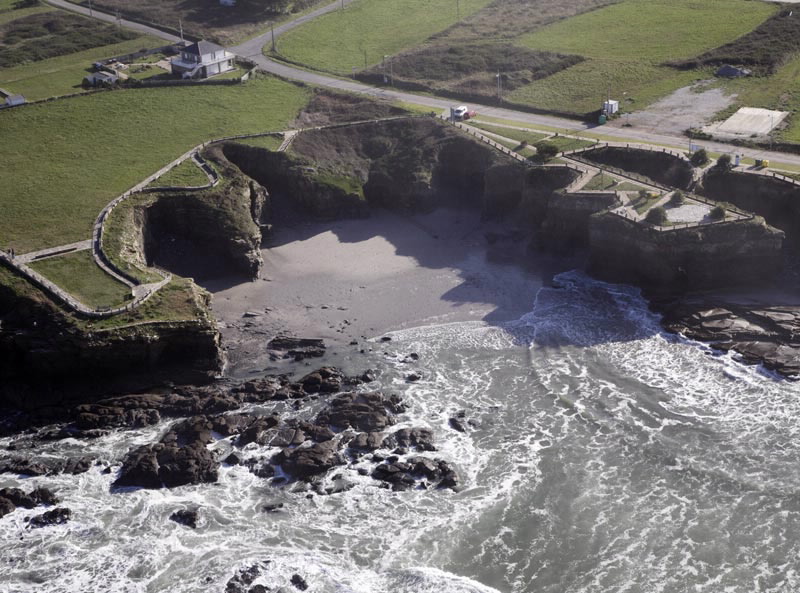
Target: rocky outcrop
222	222
707	256
776	200
50	358
663	167
768	335
13	498
565	226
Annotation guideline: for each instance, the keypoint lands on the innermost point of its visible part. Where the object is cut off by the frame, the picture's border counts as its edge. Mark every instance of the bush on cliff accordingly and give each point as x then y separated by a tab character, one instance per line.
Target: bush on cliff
724	162
699	158
546	150
677	198
657	216
718	213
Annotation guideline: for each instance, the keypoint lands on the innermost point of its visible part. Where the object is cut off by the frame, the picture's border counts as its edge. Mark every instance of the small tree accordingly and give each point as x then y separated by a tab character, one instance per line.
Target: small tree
677	198
656	216
699	157
546	150
718	213
724	162
643	194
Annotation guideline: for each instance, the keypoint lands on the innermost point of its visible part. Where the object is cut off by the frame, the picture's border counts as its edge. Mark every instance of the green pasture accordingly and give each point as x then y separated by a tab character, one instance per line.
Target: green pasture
9	13
78	274
651	31
63	161
513	133
187	174
361	34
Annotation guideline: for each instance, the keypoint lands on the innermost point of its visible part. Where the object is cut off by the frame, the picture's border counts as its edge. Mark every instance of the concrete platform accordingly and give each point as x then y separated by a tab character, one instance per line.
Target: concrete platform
746	122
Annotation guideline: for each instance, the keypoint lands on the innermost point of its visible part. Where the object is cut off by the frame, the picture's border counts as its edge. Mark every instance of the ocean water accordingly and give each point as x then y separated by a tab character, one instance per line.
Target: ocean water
605	456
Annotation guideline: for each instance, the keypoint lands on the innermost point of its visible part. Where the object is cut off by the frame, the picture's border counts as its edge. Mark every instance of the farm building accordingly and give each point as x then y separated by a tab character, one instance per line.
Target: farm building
201	60
14	100
728	71
101	78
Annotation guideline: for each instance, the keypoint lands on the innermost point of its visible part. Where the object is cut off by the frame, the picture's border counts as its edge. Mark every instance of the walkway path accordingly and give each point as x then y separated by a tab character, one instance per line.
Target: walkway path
54	251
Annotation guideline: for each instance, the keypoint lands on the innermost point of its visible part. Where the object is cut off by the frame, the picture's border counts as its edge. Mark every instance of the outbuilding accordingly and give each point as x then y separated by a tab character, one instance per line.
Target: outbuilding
101	78
14	100
728	71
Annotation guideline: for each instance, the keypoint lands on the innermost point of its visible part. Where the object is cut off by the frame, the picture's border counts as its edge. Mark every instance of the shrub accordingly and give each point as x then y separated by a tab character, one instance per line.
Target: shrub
724	161
546	150
643	194
677	198
699	157
718	213
656	216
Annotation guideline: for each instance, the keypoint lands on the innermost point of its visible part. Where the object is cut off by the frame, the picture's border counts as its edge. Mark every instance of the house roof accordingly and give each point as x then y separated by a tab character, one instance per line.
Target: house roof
15	98
201	48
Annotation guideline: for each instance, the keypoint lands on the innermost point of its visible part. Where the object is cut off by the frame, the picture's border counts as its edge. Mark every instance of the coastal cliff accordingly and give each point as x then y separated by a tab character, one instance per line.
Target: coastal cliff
694	258
49	355
663	167
776	200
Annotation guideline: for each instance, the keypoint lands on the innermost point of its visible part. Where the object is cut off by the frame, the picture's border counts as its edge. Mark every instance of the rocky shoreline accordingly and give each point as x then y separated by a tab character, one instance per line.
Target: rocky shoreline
768	335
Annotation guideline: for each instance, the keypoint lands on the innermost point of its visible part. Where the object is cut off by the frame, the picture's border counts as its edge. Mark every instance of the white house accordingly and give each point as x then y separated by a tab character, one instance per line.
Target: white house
14	100
201	60
610	107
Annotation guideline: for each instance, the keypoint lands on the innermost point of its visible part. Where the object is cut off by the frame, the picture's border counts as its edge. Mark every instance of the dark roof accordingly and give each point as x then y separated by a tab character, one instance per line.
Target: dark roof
201	48
732	72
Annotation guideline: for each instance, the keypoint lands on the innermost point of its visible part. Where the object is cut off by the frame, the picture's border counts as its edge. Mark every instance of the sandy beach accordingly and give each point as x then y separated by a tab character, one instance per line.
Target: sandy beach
348	281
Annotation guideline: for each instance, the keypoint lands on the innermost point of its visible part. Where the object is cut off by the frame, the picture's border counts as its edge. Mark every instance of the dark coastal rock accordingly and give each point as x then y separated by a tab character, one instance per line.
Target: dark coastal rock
256	432
459	421
324	380
57	516
244	577
767	335
296	348
12	498
6	506
185	517
416	471
365	412
299	582
23	467
413	377
306	462
366	441
172	465
420	439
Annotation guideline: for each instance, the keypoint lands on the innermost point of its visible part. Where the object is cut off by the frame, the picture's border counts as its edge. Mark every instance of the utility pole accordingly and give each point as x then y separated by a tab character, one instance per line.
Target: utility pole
119	21
365	59
499	88
180	26
272	30
90	8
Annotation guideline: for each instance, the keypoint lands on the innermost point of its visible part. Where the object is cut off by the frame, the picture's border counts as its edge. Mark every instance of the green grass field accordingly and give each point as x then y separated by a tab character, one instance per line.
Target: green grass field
9	13
63	161
339	41
583	88
626	43
78	274
513	133
271	142
187	174
63	75
651	30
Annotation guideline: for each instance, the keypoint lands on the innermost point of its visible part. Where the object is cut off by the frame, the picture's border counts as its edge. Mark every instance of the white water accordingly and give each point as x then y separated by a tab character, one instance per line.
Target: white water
607	456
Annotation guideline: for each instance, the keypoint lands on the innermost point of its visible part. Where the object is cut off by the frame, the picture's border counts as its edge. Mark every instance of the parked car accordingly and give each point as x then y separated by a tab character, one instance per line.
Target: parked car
459	112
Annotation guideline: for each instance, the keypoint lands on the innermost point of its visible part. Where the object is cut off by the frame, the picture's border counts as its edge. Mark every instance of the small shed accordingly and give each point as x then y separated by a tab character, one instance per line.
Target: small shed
101	78
728	71
14	100
610	107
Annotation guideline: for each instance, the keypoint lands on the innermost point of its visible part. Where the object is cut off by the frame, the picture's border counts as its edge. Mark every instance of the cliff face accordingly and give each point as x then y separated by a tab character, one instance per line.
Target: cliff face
223	220
408	164
48	356
659	166
709	256
776	200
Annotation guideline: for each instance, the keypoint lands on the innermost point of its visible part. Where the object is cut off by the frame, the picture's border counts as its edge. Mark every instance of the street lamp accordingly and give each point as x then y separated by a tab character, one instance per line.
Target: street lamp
391	70
499	88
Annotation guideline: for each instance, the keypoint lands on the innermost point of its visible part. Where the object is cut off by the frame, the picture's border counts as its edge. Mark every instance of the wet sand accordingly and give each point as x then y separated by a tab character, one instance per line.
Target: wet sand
352	280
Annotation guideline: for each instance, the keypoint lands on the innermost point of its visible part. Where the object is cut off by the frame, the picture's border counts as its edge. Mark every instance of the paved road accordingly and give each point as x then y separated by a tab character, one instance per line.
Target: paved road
251	49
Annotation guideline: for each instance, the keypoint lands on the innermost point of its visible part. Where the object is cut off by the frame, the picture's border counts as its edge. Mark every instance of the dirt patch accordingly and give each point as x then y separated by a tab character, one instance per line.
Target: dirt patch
504	19
207	19
469	69
328	107
688	107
